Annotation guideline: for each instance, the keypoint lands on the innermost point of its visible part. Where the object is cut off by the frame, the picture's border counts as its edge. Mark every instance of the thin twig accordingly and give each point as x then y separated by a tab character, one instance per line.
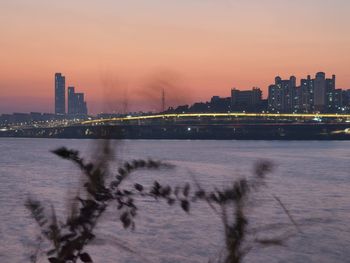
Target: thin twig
287	213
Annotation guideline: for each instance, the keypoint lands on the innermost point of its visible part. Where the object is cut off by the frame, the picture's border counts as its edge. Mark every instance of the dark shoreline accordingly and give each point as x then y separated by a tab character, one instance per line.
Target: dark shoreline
245	131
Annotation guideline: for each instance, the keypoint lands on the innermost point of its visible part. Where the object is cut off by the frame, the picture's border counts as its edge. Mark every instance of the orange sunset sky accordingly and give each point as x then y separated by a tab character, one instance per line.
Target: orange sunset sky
121	53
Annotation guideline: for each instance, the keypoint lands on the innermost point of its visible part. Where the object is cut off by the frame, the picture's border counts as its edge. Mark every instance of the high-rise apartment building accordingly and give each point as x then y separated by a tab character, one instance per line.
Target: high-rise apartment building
71	98
333	96
320	91
282	95
306	102
313	95
80	104
60	98
76	102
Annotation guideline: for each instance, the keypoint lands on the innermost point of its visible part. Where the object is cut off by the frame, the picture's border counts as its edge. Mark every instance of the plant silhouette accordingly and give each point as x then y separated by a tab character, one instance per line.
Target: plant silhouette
68	239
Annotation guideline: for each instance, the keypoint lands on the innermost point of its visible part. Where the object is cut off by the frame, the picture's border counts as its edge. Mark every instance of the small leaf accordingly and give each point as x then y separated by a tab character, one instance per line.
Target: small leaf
127	192
166	191
128	166
152	164
85	257
186	189
185	205
125	218
64	153
53	260
121	171
200	194
51	252
171	201
138	187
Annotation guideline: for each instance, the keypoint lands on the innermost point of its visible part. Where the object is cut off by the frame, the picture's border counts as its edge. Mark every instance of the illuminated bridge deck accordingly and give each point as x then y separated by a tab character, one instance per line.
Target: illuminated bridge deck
240	116
239	126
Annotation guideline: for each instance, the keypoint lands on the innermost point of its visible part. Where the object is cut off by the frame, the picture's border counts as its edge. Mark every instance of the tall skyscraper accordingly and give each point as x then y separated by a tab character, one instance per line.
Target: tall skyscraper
332	95
76	102
307	94
71	100
60	98
320	91
282	94
80	103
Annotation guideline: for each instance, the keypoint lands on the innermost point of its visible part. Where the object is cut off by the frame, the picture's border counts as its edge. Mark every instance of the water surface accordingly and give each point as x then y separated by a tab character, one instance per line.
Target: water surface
311	178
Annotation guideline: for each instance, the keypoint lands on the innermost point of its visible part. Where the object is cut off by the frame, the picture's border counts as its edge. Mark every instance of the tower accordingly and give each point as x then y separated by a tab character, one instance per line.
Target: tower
60	98
320	91
163	100
71	101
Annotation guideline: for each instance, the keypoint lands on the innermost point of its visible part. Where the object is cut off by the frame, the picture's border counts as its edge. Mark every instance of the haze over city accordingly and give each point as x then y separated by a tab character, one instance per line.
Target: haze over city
174	131
125	51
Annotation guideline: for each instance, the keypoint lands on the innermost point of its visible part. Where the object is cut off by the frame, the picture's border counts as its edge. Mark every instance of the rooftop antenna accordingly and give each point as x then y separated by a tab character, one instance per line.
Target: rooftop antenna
125	102
125	106
163	100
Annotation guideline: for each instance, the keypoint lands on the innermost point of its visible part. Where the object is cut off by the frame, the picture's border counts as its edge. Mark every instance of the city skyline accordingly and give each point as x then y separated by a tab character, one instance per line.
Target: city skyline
174	131
119	53
66	101
313	95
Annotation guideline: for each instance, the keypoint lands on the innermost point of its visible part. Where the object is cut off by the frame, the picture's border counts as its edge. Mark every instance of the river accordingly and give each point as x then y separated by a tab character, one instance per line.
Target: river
311	178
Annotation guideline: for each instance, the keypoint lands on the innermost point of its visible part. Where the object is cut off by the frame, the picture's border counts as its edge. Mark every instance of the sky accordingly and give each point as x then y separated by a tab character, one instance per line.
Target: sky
121	54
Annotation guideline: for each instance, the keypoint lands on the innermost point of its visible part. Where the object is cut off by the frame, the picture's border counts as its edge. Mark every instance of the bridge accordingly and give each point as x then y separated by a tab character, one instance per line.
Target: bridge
228	115
264	126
